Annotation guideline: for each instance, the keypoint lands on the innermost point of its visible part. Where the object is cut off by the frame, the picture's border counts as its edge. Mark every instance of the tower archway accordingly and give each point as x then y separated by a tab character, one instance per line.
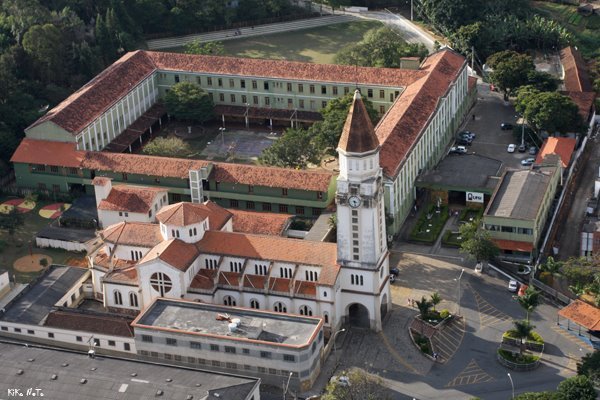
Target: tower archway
358	316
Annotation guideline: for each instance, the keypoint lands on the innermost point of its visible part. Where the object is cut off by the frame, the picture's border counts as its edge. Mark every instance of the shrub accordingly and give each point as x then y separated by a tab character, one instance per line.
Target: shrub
444	314
517	358
547	278
44	262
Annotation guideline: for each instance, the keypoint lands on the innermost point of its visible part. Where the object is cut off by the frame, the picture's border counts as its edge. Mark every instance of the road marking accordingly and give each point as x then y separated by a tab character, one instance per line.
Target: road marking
446	343
471	375
488	314
396	355
572	364
571	337
139	380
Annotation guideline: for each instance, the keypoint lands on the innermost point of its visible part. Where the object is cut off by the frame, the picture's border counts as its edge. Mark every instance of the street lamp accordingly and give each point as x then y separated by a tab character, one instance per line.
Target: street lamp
512	385
458	300
334	346
286	385
222	129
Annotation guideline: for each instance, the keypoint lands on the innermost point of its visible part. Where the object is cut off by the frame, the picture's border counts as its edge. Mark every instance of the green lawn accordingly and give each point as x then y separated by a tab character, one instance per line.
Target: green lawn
318	45
430	224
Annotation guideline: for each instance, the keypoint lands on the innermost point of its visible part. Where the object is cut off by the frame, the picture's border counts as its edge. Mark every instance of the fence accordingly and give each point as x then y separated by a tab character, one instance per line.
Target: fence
553	293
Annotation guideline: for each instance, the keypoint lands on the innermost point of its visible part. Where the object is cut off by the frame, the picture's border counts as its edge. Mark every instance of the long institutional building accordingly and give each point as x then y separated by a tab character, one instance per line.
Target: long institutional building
92	133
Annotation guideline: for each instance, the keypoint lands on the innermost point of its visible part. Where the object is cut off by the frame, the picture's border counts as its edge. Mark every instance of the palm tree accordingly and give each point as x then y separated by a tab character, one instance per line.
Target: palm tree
530	300
522	331
435	299
424	305
551	266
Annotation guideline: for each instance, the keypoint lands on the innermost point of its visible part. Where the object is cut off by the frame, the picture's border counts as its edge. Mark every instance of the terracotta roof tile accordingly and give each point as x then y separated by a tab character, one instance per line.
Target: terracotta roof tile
281	285
274	249
582	314
305	288
61	154
404	122
272	177
584	101
140	164
576	78
184	213
563	147
101	181
284	69
133	233
135	199
259	223
204	279
255	281
94	98
101	259
90	322
227	278
513	245
358	135
123	275
174	252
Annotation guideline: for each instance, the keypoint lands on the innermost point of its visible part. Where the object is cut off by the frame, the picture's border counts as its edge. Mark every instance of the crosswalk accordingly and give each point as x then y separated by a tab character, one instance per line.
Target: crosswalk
488	314
571	336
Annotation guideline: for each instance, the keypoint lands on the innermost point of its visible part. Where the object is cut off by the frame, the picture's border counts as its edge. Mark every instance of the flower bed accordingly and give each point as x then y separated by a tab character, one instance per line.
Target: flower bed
422	343
451	239
534	342
430	224
470	214
516	361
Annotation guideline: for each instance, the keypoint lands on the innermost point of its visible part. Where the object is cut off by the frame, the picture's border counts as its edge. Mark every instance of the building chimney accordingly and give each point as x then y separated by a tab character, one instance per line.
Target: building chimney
102	187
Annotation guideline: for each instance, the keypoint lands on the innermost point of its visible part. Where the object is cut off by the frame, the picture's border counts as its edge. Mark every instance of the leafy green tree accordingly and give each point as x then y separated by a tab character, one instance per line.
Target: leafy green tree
187	101
359	385
295	149
529	300
435	299
542	81
553	112
590	366
207	48
510	70
11	221
551	265
576	388
424	305
477	243
522	331
167	147
43	43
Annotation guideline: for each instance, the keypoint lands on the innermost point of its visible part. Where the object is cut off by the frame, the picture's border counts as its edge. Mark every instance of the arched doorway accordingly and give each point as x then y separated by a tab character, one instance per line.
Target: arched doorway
358	316
384	306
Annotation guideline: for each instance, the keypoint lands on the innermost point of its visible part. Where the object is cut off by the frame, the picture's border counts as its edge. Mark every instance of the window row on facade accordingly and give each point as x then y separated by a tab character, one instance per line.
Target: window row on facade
509	229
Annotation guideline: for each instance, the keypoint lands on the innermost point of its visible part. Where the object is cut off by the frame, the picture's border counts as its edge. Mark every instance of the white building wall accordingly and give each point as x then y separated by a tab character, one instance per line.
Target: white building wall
125	291
146	270
108	217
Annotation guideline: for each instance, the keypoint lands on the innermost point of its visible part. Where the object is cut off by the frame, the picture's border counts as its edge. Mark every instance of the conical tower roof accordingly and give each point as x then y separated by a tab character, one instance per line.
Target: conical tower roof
358	135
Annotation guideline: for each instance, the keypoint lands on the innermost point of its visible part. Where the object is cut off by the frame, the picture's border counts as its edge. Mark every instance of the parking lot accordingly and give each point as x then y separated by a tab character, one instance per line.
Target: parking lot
490	112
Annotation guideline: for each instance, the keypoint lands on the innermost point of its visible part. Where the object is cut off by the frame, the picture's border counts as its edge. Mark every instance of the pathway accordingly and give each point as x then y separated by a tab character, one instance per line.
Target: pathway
410	32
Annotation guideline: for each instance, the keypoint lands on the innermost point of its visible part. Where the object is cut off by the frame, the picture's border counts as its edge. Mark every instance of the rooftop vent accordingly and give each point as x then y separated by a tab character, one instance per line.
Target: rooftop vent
54	377
83	381
159	393
93	369
20	372
233	327
189	397
133	374
64	365
31	359
169	380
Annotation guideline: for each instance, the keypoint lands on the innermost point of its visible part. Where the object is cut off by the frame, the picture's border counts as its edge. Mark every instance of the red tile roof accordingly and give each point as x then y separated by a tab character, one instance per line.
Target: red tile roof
227	278
90	322
274	249
140	164
584	102
133	233
259	223
98	95
279	285
255	281
582	314
358	135
101	259
174	252
135	199
284	69
61	154
513	245
576	78
305	288
272	177
399	129
183	214
563	147
204	279
123	275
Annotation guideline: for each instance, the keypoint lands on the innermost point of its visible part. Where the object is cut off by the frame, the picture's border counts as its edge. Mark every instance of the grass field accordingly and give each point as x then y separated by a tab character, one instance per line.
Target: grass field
585	29
317	45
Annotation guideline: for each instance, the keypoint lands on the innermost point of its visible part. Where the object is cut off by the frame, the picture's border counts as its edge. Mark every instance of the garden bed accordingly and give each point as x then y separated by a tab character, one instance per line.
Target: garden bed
468	215
533	342
451	239
430	224
422	342
516	361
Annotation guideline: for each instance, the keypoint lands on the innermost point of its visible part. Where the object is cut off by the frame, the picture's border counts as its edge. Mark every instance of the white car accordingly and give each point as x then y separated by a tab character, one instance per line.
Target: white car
511	148
513	286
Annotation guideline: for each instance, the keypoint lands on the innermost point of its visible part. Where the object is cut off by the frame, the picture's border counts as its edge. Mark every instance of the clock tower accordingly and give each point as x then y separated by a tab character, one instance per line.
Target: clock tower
361	238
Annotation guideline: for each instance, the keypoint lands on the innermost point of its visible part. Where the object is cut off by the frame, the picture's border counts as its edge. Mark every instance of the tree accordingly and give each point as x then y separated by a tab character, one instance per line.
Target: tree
510	70
359	385
529	300
551	265
424	305
11	221
295	149
552	112
44	44
522	331
207	48
590	366
477	243
435	299
576	388
542	81
188	101
167	147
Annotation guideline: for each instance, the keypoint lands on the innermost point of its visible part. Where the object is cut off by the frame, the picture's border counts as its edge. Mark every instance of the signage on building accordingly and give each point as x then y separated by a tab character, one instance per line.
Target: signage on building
475	197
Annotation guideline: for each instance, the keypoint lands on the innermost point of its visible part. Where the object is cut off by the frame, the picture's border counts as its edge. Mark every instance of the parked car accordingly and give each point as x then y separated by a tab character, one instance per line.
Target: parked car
522	148
394	271
467	134
511	148
392	278
527	161
458	150
513	286
464	142
505	126
533	150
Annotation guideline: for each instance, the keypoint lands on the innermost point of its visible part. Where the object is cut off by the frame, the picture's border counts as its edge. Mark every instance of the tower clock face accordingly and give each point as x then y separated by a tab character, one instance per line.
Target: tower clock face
354	201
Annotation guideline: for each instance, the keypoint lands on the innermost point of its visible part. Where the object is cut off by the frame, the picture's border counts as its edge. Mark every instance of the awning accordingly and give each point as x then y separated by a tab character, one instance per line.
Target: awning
583	314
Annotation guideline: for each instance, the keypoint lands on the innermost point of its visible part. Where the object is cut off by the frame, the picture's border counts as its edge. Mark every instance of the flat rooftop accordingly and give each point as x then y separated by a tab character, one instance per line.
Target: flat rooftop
39	298
110	378
187	317
520	194
468	171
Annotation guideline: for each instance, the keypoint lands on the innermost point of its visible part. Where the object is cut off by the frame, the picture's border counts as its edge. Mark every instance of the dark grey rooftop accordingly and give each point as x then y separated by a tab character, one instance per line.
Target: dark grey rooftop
463	171
201	318
39	298
520	194
109	378
67	234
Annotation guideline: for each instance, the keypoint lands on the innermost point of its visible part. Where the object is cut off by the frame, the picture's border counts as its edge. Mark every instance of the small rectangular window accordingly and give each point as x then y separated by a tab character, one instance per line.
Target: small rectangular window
18	330
300	88
195	345
214	347
381	109
126	346
301	103
243	83
319	195
50	335
147	338
250	205
323	89
220	82
29	331
370	93
79	338
254	85
230	349
171	342
265	354
311	88
176	78
283	208
255	99
234	203
335	90
267	101
221	97
266	85
289	87
209	81
382	94
232	97
289	357
231	83
266	206
111	343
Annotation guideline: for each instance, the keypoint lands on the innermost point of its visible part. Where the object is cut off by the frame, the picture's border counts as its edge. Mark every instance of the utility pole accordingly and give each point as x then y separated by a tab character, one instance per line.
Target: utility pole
411	10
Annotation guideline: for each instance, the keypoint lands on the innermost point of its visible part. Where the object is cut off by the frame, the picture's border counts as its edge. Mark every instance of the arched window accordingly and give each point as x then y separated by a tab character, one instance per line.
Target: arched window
254	304
306	310
326	317
133	300
229	301
280	307
161	283
118	298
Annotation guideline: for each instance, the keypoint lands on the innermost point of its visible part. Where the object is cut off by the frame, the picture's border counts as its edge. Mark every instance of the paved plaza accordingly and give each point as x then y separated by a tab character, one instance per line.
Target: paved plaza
239	144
